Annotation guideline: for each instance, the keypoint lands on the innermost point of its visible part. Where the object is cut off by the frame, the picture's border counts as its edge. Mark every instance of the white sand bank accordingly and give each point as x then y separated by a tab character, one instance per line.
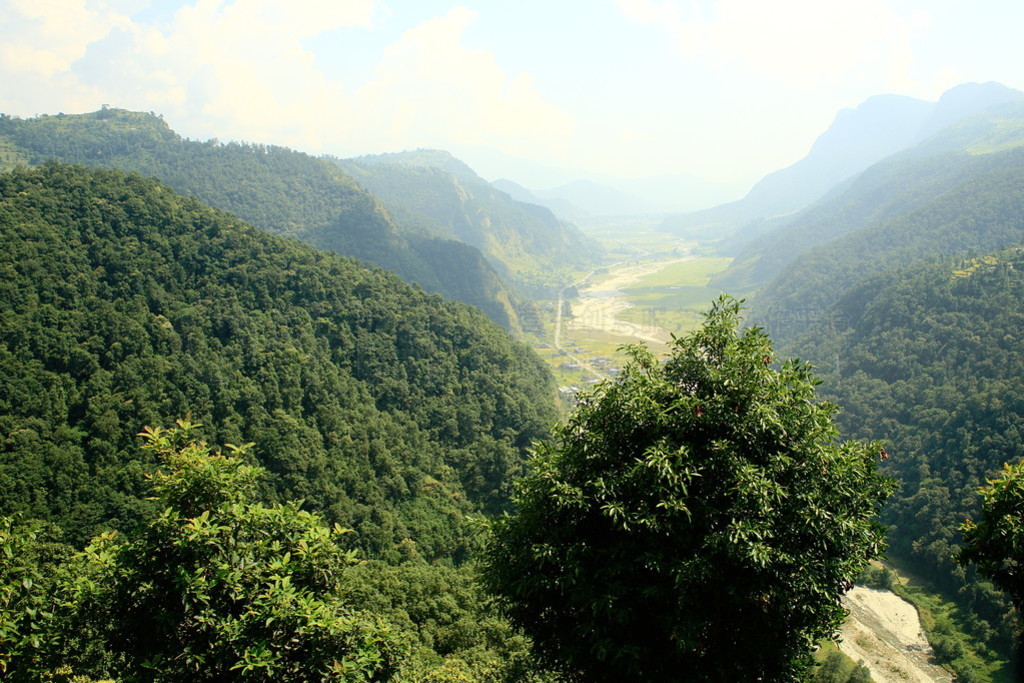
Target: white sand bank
885	633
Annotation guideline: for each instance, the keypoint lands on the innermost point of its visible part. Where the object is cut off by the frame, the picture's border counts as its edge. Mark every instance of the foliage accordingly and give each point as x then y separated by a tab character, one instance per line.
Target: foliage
122	303
690	511
930	361
832	666
212	581
455	631
28	555
217	586
995	542
954	633
274	188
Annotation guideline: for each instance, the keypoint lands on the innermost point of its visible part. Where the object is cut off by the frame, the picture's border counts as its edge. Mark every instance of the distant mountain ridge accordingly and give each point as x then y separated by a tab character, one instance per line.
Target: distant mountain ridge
562	208
977	212
913	178
881	126
276	189
431	190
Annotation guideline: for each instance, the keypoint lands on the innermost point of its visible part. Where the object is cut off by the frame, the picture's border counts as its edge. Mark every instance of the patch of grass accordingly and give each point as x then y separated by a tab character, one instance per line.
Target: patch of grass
693	273
833	666
676	296
1007	134
667	298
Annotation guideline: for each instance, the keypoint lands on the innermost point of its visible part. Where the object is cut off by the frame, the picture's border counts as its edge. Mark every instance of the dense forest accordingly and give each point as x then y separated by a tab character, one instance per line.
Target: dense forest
885	193
382	408
983	213
273	188
928	357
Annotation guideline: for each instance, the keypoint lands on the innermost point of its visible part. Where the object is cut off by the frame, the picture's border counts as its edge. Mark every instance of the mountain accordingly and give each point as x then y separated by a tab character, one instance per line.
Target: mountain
124	304
433	191
597	199
374	405
981	212
858	138
895	186
964	101
928	357
276	189
562	208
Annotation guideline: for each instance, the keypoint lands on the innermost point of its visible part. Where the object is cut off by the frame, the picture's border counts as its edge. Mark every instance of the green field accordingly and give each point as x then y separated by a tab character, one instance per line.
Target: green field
675	297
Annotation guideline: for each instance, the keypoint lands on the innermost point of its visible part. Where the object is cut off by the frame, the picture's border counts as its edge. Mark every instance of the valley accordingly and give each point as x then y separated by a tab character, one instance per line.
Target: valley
661	291
403	344
656	288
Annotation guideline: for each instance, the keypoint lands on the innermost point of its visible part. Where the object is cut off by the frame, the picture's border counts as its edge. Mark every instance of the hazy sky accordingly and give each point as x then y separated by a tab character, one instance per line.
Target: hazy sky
724	89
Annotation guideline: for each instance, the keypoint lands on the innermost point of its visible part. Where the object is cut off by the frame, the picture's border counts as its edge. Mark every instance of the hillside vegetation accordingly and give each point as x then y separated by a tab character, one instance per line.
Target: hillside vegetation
125	304
884	192
930	361
432	190
982	213
273	188
376	406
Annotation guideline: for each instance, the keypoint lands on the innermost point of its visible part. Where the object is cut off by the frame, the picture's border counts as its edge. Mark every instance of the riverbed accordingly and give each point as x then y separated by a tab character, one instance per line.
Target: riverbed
601	304
884	631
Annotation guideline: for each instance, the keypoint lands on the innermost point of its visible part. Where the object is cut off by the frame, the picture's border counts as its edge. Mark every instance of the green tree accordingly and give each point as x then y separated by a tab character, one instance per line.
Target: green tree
696	519
28	554
995	543
218	587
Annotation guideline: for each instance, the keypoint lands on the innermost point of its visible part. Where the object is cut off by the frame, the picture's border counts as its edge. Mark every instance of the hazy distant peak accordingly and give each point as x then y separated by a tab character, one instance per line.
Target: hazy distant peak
966	100
562	208
596	198
879	127
886	122
880	105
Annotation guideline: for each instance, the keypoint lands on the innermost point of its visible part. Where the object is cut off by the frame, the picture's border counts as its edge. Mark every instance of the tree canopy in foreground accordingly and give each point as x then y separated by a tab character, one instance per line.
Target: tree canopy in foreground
695	518
215	587
995	542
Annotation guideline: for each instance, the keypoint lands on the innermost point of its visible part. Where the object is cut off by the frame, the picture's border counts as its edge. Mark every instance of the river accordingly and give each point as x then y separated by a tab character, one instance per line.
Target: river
601	304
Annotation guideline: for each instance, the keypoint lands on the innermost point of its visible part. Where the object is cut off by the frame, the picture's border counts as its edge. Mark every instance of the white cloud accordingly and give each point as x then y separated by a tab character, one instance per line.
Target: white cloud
240	69
45	38
430	83
797	43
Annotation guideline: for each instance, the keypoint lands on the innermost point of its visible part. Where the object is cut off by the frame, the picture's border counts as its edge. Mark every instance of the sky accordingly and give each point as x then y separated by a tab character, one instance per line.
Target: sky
539	91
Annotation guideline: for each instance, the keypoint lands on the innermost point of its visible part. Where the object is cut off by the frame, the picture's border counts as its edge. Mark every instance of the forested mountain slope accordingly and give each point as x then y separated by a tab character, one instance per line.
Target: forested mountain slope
888	189
276	189
858	138
431	189
125	304
982	213
930	358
